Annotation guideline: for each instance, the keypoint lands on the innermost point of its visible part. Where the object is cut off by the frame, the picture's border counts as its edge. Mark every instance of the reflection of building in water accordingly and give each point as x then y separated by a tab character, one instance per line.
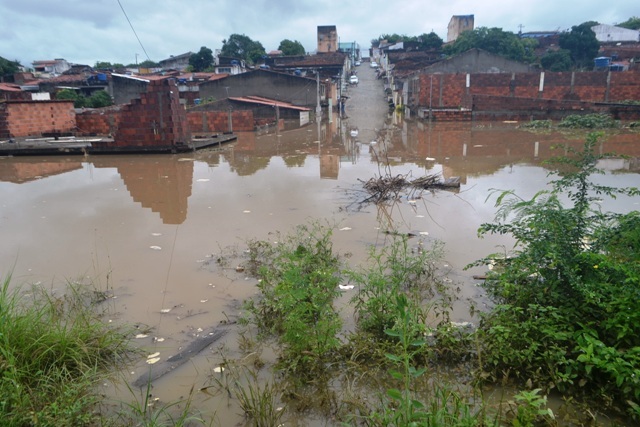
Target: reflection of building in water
159	183
468	150
253	150
25	169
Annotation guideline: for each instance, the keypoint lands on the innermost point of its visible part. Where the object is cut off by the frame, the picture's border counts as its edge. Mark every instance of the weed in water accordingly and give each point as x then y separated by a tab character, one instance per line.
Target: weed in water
53	353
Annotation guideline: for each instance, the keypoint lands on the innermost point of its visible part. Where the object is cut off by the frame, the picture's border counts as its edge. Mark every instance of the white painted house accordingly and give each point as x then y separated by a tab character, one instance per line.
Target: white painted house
612	34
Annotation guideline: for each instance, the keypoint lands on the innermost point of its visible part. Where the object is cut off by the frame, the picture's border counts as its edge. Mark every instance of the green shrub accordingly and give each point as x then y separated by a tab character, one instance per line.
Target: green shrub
568	298
299	279
588	121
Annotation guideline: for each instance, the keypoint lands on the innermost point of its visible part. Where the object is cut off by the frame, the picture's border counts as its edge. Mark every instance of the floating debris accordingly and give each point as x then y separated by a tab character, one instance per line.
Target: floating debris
218	369
204	300
203	180
424	233
155	248
165	310
153	360
246	212
345	229
346	287
139	336
157	339
151	356
156	234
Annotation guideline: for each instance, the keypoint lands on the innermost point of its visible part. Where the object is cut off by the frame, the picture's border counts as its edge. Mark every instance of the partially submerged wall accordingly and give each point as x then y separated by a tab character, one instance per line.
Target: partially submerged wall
455	90
220	121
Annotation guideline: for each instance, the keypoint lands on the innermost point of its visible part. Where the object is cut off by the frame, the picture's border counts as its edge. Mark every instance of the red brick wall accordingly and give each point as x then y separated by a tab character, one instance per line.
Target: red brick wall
155	120
103	121
450	91
218	121
33	118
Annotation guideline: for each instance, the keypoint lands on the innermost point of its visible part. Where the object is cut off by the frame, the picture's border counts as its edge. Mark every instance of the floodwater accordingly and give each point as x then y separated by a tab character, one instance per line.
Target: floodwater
148	228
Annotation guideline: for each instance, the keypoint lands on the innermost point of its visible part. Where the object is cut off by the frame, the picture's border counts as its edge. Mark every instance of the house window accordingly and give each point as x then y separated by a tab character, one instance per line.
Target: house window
224	70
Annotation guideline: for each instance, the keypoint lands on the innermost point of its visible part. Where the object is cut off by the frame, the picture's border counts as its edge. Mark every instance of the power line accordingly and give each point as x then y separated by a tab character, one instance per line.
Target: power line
134	31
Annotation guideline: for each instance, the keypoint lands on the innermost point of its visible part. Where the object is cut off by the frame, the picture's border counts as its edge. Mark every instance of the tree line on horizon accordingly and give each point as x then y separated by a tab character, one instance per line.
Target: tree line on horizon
577	48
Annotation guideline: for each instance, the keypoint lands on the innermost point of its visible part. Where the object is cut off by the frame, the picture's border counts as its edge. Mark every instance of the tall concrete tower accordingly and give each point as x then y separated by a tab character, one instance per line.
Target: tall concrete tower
457	25
327	38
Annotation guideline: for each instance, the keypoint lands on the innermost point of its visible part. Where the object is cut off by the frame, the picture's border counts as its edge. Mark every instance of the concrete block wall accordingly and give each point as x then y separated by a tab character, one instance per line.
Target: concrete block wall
34	118
155	120
218	121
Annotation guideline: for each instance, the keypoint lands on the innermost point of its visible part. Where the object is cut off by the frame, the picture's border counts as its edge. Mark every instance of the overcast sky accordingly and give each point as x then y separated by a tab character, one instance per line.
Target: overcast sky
86	31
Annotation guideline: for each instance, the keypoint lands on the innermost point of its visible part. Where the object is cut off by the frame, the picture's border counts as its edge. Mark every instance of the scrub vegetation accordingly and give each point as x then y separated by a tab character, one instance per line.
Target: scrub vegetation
54	351
564	320
567	298
577	121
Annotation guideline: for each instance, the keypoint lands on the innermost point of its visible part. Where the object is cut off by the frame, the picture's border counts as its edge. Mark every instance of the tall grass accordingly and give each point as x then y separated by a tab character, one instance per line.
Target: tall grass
53	352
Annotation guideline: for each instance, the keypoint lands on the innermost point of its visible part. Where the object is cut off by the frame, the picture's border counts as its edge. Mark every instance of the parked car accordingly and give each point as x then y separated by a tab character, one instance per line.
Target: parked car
353	80
373	64
357	63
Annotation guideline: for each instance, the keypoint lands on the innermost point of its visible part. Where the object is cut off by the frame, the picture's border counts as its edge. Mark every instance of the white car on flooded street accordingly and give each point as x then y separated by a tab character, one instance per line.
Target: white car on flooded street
353	80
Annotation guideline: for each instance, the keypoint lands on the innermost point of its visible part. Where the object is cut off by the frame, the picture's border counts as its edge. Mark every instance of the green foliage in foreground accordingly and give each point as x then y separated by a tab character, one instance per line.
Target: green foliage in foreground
567	312
577	121
588	121
53	352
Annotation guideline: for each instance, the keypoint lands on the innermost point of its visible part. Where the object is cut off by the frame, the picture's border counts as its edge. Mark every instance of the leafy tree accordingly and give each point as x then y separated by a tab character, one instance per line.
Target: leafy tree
241	46
202	60
392	38
632	23
581	42
147	63
430	41
79	101
494	40
558	60
103	65
99	99
8	67
289	47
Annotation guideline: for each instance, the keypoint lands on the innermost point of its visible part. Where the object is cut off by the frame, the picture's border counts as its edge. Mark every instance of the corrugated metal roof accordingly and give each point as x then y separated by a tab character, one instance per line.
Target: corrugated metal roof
266	101
9	88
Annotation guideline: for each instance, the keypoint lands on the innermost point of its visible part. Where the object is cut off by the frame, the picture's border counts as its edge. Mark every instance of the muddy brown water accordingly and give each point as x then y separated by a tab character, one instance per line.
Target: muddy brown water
149	228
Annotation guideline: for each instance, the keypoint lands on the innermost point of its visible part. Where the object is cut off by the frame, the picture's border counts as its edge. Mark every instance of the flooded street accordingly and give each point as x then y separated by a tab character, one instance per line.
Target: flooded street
149	228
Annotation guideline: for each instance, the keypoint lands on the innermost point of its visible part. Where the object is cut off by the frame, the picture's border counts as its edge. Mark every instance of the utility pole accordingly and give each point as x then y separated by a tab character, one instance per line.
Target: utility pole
318	108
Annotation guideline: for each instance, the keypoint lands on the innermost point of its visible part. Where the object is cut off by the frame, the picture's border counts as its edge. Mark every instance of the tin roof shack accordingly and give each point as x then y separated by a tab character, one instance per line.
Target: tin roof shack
296	90
230	115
